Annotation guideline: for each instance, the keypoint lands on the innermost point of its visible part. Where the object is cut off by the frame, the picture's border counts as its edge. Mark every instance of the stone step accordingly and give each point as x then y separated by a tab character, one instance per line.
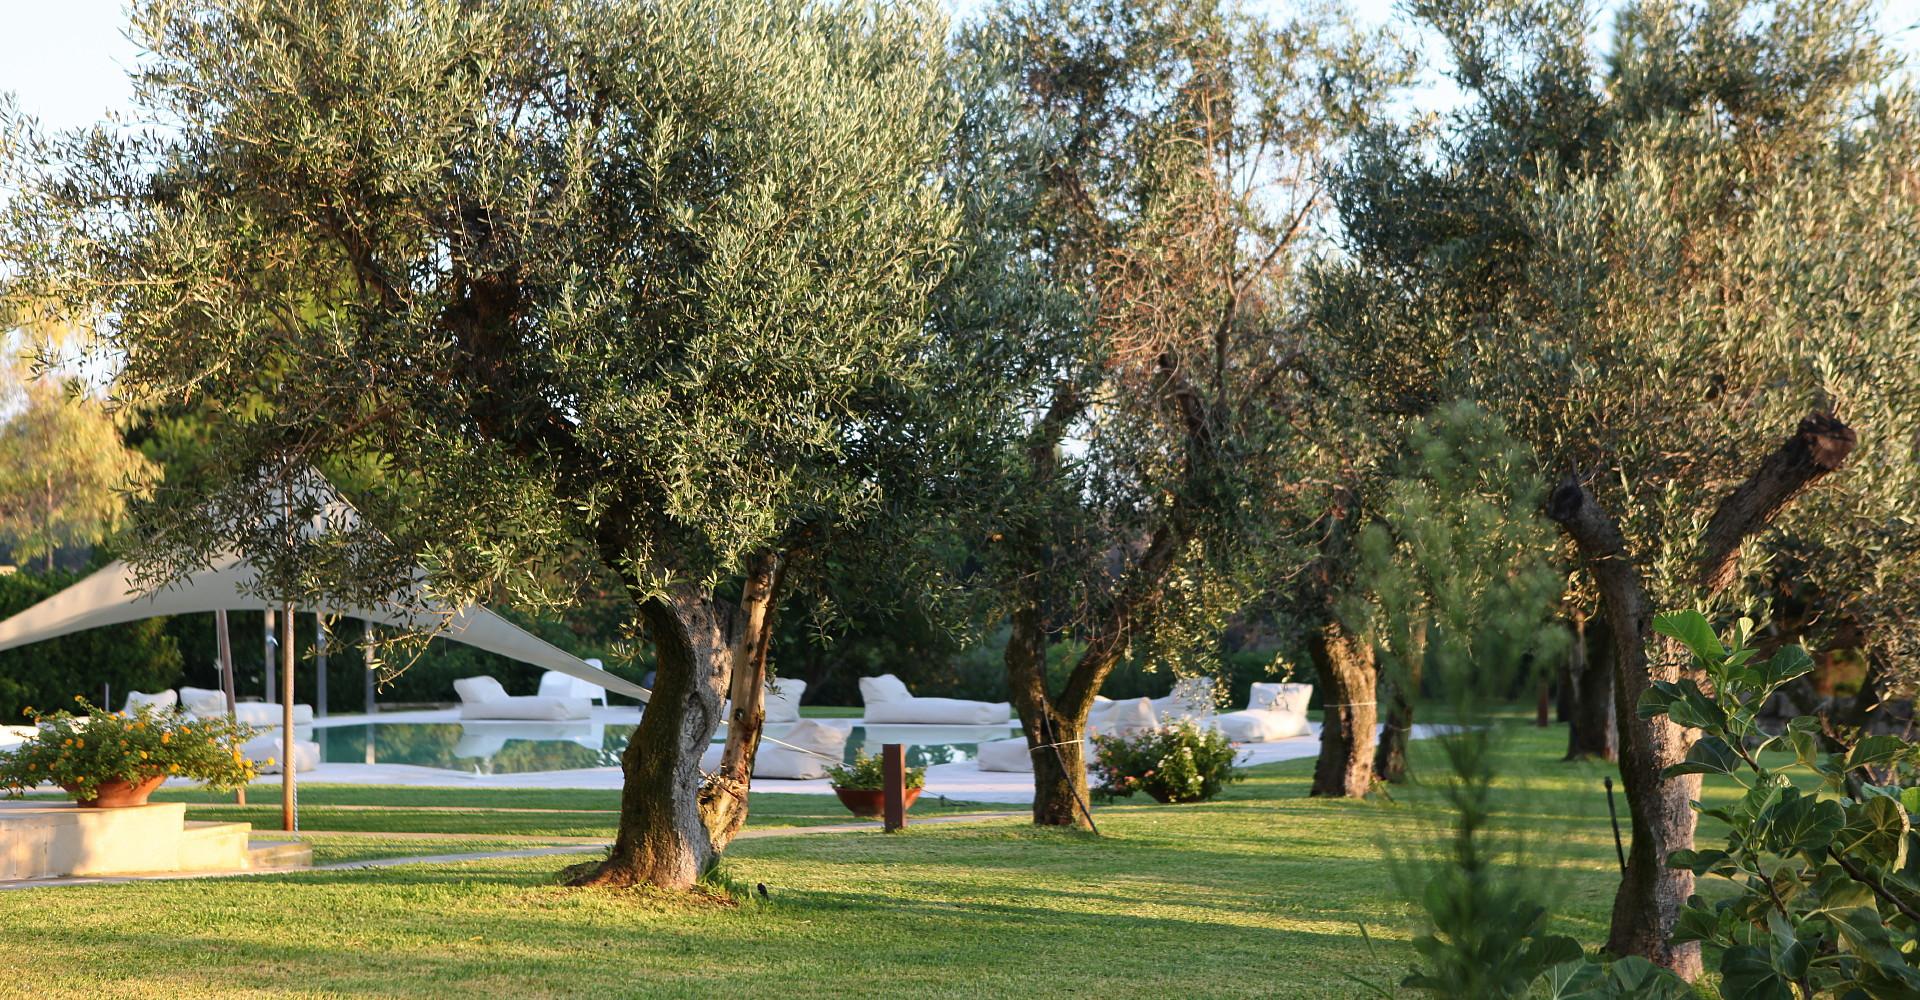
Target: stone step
279	854
213	846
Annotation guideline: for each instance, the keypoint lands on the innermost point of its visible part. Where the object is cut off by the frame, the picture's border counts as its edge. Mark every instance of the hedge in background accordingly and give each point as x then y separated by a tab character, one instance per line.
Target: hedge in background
137	656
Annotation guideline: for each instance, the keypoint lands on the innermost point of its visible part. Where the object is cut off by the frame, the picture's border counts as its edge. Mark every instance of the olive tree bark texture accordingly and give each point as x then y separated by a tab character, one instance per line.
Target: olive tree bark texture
1390	761
674	818
1055	730
1349	680
1591	726
1651	895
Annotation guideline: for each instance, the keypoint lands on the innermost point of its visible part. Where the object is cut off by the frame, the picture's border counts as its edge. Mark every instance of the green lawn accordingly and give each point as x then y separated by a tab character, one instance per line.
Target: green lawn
1258	894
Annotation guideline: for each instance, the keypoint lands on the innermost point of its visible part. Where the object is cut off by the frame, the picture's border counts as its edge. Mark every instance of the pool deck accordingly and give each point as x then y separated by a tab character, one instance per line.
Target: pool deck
963	781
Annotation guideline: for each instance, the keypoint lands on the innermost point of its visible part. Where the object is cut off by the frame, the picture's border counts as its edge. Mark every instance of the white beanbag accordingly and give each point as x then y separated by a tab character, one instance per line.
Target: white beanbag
827	743
165	701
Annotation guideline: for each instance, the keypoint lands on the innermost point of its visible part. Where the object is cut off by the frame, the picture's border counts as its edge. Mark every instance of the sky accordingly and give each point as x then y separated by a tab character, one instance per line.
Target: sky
66	61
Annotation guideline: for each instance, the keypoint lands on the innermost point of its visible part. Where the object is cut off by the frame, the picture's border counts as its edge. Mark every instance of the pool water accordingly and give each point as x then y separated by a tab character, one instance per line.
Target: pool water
519	747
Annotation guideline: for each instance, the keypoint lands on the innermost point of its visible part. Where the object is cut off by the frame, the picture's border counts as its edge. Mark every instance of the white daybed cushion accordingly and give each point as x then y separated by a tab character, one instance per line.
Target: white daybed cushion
772	760
203	703
554	684
1258	725
1006	755
1191	698
783	700
530	707
162	702
260	713
887	700
483	698
885	687
939	712
1292	698
479	689
1125	718
306	754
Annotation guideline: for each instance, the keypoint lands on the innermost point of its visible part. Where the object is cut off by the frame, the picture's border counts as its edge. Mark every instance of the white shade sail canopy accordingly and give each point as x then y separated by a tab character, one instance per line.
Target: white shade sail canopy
110	597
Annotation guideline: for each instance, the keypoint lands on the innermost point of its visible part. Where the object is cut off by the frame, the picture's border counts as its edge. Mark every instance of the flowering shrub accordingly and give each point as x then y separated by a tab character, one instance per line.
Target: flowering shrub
79	753
867	774
1177	763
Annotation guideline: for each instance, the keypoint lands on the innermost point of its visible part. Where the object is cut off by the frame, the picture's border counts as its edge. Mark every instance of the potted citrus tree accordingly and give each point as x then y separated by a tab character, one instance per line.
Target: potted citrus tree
108	760
861	785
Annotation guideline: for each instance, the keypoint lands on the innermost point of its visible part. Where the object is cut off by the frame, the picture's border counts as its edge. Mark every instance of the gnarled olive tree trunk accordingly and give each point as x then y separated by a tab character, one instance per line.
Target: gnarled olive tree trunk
1055	724
674	818
1651	895
1591	725
1055	731
1349	682
1390	761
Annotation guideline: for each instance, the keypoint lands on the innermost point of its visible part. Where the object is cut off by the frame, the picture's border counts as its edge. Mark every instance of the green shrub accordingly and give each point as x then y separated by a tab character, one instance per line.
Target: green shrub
1177	763
1826	878
136	656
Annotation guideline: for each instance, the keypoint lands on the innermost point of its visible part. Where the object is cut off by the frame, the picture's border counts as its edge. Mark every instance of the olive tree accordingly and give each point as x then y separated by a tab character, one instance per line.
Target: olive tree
588	282
1158	169
1686	280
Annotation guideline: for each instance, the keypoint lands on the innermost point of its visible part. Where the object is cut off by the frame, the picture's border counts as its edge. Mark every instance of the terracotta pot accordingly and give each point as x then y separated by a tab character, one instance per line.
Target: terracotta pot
116	794
869	801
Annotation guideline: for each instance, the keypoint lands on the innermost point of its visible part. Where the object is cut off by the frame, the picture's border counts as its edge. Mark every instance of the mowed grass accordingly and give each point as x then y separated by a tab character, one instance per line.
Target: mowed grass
502	811
1260	893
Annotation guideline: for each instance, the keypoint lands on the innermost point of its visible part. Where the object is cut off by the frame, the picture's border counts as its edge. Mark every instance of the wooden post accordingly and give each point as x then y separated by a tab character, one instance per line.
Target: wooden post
223	641
289	817
893	781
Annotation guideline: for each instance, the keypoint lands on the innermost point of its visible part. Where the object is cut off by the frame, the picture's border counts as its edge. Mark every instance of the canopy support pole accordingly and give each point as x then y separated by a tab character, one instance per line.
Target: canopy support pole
224	643
366	661
319	665
289	817
268	656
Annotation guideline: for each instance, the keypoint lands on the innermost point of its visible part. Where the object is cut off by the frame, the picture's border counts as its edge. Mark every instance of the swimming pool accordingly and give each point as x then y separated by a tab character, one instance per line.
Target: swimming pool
482	747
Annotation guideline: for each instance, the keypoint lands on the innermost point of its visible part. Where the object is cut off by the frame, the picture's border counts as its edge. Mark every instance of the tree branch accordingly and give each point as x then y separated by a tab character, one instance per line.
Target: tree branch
1821	444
